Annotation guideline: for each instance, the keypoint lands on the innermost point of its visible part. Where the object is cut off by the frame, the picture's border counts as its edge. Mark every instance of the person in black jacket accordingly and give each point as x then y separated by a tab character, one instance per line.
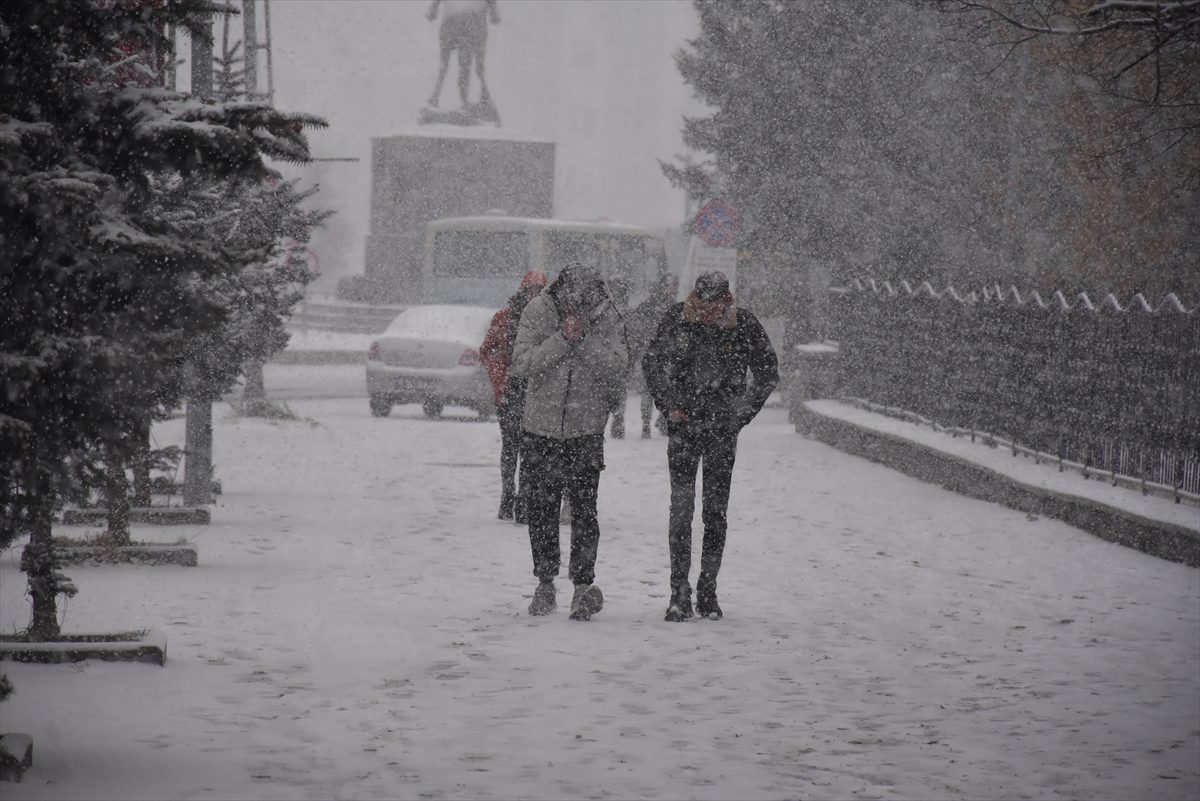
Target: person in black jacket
695	369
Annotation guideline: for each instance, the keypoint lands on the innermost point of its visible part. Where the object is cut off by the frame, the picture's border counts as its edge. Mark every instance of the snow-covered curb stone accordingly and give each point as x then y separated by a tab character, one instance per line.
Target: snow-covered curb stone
1168	540
148	646
151	515
152	553
320	357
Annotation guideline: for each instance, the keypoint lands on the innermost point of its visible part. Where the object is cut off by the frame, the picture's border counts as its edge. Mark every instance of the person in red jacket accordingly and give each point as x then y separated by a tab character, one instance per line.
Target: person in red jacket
496	354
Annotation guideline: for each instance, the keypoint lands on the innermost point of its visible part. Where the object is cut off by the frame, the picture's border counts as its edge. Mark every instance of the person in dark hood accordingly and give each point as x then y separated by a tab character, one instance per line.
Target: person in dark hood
695	368
496	355
570	348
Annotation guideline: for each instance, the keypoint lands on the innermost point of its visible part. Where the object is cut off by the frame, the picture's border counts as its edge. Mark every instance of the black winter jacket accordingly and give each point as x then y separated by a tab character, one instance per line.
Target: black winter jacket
701	369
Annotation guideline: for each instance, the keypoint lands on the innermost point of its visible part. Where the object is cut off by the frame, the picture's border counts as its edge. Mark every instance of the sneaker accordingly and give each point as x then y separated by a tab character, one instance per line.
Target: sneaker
680	608
706	600
543	602
588	600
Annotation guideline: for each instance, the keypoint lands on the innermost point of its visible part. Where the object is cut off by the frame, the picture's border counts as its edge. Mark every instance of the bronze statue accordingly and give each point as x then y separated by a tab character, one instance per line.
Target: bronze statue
464	28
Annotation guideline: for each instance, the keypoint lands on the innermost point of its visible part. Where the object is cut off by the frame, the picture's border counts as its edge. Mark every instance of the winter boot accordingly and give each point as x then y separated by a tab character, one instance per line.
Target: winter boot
520	514
506	508
544	601
588	601
680	608
706	598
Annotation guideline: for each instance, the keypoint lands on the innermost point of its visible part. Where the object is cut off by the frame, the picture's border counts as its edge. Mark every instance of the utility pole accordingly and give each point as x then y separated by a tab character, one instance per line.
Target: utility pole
197	448
250	47
255	388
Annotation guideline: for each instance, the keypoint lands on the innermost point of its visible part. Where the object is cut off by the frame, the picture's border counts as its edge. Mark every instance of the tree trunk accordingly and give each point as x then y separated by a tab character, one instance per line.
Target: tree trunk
255	387
39	564
197	460
116	499
141	468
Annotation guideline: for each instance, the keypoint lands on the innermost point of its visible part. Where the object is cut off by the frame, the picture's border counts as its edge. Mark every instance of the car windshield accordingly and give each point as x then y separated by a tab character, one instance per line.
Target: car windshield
442	322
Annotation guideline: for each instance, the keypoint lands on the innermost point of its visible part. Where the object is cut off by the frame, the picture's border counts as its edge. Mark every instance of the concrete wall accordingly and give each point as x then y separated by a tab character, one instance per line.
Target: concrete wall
421	177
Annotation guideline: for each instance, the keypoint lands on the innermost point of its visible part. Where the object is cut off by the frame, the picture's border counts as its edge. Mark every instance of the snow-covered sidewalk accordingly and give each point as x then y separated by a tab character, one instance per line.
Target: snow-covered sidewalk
357	629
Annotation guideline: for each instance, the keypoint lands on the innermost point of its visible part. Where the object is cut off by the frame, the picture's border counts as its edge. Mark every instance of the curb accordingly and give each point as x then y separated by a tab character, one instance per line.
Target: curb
150	515
149	554
148	646
320	357
1158	538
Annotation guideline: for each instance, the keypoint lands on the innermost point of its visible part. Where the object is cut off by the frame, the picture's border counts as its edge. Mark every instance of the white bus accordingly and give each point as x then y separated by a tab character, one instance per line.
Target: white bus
481	260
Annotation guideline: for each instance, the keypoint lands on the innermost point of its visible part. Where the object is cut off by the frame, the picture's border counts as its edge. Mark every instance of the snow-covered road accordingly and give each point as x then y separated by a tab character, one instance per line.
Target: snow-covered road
357	629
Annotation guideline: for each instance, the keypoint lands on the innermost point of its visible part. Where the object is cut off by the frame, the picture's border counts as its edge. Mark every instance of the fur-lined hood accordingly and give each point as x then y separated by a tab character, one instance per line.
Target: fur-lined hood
691	314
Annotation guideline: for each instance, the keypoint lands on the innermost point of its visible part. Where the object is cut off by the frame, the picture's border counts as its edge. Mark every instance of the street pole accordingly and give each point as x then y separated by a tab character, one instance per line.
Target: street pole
250	46
197	448
254	390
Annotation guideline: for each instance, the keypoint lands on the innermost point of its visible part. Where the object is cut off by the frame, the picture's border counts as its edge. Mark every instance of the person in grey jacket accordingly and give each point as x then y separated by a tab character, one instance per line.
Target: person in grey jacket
571	350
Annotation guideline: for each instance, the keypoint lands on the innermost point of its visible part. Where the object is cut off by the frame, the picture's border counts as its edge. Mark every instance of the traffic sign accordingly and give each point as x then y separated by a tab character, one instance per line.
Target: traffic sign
717	224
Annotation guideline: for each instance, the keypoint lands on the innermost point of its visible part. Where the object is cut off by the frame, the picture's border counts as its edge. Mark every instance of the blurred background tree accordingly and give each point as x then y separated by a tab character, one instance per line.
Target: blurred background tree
866	139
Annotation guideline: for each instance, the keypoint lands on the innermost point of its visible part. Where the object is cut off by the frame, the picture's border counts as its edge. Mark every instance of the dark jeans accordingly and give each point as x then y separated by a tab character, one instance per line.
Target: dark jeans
647	412
686	449
509	415
551	468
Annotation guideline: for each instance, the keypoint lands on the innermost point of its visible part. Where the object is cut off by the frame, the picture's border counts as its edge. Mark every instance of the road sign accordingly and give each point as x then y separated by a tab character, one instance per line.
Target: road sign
717	224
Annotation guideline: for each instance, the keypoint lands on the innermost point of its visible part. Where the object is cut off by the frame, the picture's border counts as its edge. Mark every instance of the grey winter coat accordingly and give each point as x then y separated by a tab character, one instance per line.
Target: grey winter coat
571	385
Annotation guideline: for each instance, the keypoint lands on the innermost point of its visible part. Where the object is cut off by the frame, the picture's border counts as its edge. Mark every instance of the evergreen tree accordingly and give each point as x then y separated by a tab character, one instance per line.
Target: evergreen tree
101	290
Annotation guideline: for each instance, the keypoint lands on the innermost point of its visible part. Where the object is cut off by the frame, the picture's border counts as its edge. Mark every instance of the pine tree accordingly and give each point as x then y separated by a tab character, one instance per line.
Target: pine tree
101	290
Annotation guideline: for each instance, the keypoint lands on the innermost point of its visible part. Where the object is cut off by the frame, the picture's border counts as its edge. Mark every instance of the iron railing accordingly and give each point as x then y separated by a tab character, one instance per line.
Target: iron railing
1104	388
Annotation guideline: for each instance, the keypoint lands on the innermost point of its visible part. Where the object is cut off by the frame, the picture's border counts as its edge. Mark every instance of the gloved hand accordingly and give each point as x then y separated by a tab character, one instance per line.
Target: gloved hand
572	327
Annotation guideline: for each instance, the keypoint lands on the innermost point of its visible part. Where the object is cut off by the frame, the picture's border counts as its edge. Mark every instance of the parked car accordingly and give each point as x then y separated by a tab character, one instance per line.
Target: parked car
430	355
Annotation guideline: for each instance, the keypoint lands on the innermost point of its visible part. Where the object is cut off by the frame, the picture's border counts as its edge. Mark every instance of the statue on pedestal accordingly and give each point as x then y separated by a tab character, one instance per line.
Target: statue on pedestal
464	28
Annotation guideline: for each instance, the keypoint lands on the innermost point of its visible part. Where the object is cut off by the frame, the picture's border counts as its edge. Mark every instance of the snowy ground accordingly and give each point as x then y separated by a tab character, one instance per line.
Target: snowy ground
357	629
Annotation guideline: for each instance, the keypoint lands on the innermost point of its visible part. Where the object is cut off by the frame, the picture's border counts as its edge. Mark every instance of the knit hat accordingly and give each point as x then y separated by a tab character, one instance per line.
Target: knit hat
533	278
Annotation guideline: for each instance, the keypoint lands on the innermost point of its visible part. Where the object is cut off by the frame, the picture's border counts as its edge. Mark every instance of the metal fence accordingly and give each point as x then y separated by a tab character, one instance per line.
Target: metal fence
1104	388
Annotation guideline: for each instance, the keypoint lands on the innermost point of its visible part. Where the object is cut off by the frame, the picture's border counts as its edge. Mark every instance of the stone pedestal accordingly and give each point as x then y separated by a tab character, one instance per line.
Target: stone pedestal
444	171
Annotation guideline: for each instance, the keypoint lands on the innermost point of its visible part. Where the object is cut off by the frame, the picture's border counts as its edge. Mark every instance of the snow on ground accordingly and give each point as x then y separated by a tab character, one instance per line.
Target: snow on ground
357	629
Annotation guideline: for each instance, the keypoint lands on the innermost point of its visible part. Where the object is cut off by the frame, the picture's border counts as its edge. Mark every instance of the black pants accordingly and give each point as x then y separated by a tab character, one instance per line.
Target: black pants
551	468
686	449
647	412
509	415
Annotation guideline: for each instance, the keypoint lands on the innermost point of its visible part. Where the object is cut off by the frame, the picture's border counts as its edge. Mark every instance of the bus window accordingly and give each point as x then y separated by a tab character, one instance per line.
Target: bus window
480	254
615	256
